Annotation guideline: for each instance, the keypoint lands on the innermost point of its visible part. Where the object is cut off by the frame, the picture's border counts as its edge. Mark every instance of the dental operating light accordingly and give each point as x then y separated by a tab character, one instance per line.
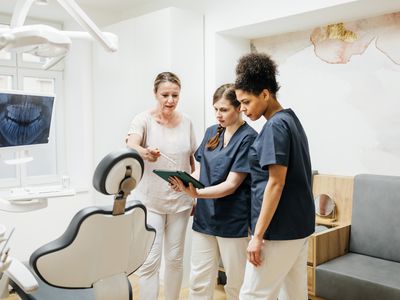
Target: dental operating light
49	42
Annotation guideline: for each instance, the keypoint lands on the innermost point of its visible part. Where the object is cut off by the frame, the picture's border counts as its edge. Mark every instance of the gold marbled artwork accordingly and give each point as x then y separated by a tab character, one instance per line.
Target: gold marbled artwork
339	32
337	43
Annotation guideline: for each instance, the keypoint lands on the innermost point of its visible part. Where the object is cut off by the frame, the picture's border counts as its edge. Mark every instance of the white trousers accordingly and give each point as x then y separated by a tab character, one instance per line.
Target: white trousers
283	272
206	253
171	230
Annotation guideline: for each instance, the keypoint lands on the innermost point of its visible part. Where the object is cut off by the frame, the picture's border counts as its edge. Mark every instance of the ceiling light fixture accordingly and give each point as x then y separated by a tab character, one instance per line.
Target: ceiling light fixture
46	41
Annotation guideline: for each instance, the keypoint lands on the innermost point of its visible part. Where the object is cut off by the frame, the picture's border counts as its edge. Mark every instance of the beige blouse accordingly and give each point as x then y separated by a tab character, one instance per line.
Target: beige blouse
178	143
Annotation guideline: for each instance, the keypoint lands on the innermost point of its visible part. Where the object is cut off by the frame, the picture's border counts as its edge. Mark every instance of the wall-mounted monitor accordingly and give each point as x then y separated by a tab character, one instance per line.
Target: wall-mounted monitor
25	118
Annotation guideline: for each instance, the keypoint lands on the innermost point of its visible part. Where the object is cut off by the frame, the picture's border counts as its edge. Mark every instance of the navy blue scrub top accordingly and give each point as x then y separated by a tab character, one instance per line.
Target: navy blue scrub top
283	141
228	216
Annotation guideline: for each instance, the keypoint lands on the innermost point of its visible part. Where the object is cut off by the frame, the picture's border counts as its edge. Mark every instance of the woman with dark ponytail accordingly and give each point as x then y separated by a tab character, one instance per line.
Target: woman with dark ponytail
221	218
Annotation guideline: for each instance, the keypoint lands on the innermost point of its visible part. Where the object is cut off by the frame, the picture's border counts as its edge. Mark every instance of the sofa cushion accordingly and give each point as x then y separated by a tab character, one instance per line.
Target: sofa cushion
376	216
358	277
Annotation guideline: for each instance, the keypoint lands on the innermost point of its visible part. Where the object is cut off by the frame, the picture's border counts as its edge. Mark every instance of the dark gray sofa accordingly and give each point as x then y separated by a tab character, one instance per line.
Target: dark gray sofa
371	269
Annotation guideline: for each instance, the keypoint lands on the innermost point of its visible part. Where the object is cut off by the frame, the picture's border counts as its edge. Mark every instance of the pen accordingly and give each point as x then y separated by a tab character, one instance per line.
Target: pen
4	258
167	158
3	262
6	242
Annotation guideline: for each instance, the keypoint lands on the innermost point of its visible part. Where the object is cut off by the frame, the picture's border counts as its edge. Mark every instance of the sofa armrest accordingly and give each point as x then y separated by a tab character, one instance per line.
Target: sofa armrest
332	243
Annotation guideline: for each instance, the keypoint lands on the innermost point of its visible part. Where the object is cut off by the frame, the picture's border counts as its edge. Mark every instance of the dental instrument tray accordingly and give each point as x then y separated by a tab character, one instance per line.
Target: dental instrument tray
182	175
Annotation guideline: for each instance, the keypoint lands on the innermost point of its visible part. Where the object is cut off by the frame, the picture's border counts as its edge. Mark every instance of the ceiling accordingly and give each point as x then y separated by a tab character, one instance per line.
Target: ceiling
53	11
105	12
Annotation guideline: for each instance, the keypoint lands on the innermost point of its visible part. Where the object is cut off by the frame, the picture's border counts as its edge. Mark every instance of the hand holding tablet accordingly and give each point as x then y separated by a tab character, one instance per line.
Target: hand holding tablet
182	175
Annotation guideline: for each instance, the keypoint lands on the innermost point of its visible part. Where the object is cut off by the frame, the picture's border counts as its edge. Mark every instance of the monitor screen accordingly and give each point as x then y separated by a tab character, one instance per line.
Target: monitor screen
25	118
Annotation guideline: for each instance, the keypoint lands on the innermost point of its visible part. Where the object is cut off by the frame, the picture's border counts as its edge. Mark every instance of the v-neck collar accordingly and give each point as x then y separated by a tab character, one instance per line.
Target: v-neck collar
221	140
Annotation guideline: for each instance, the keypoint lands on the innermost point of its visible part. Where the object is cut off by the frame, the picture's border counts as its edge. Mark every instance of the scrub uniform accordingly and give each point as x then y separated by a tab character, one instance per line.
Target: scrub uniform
221	226
282	141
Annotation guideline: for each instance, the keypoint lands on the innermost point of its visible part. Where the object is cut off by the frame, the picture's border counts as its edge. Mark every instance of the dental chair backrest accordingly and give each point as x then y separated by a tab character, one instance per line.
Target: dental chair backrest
101	246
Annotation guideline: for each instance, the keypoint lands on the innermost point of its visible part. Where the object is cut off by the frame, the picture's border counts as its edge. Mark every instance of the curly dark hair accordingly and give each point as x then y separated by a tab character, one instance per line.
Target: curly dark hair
256	72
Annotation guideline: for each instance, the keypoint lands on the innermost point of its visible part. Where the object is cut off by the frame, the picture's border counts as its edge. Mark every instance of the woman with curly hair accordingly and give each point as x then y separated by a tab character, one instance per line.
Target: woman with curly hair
282	213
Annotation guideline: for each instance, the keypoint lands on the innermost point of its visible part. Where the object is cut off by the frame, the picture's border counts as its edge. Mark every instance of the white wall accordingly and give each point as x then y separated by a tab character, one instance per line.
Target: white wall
221	54
350	111
166	40
228	36
244	13
78	106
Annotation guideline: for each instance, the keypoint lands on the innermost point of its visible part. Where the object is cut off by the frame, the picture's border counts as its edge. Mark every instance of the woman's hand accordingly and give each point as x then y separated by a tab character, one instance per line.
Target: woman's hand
151	154
177	185
254	251
134	141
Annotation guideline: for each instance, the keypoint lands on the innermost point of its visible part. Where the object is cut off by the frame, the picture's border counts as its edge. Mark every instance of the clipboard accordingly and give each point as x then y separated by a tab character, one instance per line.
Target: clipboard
182	175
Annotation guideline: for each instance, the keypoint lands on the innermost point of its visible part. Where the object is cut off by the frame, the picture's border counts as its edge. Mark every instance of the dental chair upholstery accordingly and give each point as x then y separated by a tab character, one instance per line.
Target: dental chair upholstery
102	246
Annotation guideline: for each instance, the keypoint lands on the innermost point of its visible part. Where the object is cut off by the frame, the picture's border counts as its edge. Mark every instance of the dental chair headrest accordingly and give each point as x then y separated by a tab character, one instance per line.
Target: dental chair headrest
118	170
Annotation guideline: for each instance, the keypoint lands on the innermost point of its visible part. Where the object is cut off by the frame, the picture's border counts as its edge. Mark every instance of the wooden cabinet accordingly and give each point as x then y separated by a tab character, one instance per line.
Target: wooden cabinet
310	280
324	246
332	242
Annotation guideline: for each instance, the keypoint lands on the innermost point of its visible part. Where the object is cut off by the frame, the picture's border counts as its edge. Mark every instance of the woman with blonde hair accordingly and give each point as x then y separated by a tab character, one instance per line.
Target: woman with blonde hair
164	130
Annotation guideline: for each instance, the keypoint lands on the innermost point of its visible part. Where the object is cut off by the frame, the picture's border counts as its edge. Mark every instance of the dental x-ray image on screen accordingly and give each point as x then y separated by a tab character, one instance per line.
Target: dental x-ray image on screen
24	118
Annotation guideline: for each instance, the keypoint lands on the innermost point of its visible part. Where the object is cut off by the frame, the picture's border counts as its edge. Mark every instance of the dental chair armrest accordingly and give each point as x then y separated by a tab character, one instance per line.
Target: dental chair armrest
22	276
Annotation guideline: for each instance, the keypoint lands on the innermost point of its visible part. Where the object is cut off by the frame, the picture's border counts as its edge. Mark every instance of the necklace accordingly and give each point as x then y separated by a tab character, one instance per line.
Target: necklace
226	140
167	121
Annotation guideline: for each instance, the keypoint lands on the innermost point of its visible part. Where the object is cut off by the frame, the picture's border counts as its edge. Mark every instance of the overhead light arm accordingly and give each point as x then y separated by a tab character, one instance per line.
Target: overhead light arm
46	41
21	10
83	20
80	35
52	62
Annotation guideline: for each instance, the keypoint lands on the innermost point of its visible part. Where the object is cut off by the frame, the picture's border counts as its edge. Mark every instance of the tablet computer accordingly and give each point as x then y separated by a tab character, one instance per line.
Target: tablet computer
182	175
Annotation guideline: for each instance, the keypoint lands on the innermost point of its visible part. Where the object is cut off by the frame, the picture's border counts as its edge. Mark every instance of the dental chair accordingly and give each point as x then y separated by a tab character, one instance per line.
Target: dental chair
102	246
